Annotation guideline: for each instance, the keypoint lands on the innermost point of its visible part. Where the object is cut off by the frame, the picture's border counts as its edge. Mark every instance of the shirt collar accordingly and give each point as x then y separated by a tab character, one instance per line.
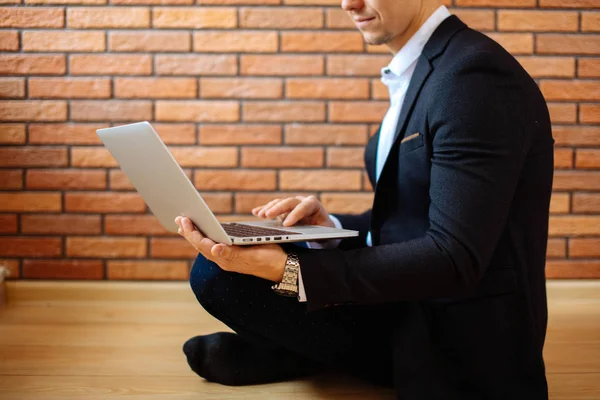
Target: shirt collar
414	47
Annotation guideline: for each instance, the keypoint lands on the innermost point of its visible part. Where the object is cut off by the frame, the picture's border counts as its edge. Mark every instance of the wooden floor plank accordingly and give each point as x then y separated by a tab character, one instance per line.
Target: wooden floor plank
122	341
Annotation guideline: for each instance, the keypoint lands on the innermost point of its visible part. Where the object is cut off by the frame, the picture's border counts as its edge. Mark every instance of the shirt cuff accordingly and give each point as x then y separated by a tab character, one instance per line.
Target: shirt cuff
301	291
327	244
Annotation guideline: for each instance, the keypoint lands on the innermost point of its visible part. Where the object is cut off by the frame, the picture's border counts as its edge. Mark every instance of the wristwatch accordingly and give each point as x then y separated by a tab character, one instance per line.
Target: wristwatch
289	284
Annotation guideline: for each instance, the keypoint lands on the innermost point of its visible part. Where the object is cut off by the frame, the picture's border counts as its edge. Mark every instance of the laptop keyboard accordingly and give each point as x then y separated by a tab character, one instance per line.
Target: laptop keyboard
240	230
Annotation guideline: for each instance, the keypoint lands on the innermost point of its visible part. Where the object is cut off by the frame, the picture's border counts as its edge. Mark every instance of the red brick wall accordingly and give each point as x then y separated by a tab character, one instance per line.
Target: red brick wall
282	98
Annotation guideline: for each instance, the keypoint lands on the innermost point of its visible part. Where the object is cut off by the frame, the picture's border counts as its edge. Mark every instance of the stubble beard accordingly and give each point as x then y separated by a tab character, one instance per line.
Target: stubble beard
378	40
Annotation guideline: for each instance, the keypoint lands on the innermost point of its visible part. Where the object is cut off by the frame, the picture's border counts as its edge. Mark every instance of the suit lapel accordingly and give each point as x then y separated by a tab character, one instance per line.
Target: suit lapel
371	155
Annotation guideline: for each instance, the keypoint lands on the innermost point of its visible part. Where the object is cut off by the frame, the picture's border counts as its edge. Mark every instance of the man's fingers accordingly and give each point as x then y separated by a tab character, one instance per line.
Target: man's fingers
284	206
305	208
261	213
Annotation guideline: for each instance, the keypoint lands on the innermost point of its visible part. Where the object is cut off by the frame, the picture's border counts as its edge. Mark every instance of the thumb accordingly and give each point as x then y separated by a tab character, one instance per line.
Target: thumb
223	251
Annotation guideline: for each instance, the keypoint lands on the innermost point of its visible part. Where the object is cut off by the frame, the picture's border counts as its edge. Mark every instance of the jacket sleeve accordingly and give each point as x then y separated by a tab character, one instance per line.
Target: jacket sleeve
477	121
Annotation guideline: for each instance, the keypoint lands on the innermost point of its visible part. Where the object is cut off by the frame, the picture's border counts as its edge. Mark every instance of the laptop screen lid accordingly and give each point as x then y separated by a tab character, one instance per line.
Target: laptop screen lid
158	178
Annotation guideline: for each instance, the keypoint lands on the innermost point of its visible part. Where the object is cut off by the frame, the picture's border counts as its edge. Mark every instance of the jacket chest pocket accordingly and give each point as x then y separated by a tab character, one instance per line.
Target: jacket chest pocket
411	142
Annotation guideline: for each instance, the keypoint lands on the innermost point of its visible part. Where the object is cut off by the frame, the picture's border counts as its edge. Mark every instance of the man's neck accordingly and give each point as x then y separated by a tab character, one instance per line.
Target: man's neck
427	8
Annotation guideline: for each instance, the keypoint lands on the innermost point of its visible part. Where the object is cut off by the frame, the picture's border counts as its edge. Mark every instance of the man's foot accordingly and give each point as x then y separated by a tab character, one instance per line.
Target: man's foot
228	359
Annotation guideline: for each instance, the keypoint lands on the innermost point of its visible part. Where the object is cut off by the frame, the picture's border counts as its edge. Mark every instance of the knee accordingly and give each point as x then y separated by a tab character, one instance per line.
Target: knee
206	279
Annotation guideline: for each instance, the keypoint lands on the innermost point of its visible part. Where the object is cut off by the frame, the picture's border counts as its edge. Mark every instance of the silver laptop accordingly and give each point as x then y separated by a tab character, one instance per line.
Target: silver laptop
164	186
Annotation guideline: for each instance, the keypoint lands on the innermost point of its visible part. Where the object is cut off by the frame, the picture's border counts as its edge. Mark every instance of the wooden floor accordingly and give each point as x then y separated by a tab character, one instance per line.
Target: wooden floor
122	341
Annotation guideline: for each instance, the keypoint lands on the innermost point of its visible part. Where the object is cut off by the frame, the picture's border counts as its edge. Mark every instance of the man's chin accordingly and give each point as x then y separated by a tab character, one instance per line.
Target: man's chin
376	40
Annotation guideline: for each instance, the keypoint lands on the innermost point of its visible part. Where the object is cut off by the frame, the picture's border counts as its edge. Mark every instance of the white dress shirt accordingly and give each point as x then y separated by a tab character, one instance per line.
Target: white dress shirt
396	76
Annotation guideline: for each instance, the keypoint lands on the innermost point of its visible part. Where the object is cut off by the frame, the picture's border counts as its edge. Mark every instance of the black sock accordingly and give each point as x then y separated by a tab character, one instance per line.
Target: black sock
229	359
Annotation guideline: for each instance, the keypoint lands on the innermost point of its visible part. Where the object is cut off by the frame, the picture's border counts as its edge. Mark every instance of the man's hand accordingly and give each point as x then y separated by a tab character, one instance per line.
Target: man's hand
266	261
293	210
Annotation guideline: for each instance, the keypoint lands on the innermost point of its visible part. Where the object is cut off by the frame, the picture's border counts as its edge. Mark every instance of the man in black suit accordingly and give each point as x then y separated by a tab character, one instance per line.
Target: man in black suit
443	293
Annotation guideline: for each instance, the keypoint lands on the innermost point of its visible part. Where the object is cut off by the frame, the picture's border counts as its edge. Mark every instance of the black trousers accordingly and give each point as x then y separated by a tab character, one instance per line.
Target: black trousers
356	339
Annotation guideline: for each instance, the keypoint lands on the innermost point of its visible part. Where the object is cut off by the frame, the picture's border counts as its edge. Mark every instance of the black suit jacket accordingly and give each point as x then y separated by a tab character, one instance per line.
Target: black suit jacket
459	225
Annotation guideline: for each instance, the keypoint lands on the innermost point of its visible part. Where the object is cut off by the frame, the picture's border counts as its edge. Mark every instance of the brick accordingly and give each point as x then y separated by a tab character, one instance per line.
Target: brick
235	41
570	3
176	133
559	203
514	43
64	133
153	2
589	113
92	157
205	156
312	2
586	203
108	17
590	21
134	225
235	180
557	248
495	3
196	64
29	201
570	90
11	179
31	110
8	224
194	17
563	158
576	135
30	247
325	134
481	20
12	266
197	111
64	224
323	41
282	157
240	134
34	156
278	18
576	180
177	248
12	87
245	202
110	64
244	88
243	2
379	91
96	2
283	111
562	112
148	270
587	158
336	18
65	179
149	41
584	247
106	247
327	88
12	134
63	269
25	64
69	88
588	68
291	65
565	269
48	41
347	157
162	88
103	202
115	110
574	225
30	17
568	44
319	180
358	65
352	203
9	41
357	111
538	21
548	67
